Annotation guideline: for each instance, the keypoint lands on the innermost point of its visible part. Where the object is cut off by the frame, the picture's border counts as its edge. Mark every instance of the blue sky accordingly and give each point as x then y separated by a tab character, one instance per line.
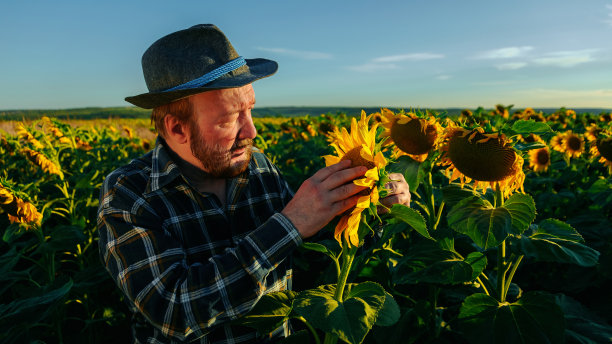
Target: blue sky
409	54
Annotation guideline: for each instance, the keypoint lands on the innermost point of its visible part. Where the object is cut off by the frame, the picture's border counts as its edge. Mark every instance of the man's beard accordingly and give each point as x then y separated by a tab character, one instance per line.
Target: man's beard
217	161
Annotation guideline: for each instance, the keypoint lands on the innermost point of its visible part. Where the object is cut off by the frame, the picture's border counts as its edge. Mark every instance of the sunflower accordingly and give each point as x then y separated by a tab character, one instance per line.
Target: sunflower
26	213
531	138
556	142
486	159
413	136
539	159
18	210
6	197
603	149
592	131
43	162
26	136
358	145
569	143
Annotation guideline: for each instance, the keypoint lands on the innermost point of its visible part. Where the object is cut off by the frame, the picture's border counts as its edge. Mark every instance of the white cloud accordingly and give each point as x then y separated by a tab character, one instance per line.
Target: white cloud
566	58
443	77
408	57
372	67
388	62
308	55
511	65
505	53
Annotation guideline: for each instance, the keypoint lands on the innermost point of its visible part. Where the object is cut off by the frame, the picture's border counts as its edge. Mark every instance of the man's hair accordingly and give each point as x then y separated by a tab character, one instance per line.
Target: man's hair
182	109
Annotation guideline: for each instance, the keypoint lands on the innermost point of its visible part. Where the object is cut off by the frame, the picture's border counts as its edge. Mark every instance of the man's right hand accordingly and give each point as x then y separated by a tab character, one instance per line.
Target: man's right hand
326	194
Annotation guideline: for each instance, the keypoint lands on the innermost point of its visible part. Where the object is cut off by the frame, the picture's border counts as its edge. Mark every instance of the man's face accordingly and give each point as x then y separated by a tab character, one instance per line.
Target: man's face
222	131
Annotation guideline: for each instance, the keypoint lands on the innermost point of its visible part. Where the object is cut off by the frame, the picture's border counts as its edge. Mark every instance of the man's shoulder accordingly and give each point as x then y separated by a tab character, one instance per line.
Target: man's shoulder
134	175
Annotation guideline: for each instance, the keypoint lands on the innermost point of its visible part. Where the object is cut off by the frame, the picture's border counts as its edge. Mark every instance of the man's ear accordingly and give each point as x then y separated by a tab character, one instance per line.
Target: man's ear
176	130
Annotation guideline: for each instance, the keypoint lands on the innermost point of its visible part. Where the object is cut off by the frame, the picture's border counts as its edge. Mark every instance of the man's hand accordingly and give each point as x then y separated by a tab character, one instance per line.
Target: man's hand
328	193
399	192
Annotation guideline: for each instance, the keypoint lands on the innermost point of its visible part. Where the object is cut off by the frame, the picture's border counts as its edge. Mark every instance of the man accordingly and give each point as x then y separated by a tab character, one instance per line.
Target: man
197	230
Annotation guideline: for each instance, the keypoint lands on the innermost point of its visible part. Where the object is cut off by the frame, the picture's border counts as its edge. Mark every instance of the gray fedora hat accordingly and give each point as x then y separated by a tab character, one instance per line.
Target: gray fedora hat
192	61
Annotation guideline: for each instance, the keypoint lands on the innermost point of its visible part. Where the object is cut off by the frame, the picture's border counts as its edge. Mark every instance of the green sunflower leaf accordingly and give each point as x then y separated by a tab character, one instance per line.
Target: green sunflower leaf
522	210
350	319
525	127
412	218
554	241
534	318
477	218
270	312
428	263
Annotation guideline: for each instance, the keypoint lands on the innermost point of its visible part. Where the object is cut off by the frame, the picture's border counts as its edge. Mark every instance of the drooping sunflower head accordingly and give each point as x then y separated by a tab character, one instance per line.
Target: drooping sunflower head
413	135
486	159
360	147
6	197
602	148
539	159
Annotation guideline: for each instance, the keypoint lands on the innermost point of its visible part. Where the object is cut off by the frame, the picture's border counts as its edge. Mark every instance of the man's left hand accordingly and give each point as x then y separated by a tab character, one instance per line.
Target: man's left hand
399	192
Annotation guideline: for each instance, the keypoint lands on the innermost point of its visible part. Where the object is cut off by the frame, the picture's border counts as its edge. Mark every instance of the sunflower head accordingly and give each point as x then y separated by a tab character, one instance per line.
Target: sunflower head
484	158
6	197
501	110
592	132
539	159
360	147
412	134
603	149
531	138
573	144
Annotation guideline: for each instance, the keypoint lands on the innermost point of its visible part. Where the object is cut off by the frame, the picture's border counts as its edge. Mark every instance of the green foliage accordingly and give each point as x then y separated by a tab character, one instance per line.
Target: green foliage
534	318
458	266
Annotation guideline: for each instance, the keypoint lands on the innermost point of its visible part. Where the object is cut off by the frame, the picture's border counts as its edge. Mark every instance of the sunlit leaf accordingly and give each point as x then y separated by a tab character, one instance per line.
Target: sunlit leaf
350	319
412	218
270	312
477	218
555	241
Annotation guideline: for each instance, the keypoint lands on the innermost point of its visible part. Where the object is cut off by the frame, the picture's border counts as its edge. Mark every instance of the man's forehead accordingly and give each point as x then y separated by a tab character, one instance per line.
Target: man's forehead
244	94
228	99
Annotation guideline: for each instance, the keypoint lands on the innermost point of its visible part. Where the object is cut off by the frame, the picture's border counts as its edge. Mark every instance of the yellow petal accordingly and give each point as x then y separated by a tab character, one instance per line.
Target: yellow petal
363	202
331	159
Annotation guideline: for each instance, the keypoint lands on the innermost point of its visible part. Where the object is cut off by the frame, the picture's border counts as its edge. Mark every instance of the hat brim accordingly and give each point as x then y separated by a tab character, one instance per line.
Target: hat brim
257	69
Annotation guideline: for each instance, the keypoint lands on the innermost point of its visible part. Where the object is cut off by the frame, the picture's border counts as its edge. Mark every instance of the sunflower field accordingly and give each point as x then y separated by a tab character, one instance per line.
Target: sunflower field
508	237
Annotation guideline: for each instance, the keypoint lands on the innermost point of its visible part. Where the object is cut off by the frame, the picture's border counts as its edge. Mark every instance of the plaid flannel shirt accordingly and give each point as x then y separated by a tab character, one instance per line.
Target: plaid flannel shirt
187	265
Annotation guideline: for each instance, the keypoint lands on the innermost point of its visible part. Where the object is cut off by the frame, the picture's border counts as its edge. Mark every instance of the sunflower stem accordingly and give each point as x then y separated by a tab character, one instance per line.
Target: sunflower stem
435	226
431	209
311	329
501	270
348	255
502	265
515	265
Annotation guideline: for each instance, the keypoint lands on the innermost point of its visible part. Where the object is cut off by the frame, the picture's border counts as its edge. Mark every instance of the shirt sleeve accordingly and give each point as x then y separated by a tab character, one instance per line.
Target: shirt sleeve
150	266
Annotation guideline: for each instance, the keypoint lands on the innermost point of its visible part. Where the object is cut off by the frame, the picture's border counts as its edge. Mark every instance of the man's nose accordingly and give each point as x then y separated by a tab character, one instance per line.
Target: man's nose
248	130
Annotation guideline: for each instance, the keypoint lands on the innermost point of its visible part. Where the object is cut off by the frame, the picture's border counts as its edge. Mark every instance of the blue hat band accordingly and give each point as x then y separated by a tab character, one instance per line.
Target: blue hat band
212	75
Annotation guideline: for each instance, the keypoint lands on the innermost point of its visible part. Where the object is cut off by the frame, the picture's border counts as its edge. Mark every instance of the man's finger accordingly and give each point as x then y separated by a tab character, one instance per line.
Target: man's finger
325	172
343	177
345	191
